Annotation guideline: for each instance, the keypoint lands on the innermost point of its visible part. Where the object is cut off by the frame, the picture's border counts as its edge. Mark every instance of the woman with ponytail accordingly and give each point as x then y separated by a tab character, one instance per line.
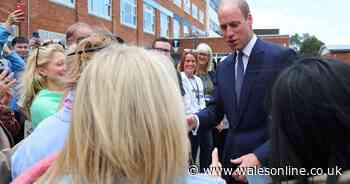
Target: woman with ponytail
50	135
42	82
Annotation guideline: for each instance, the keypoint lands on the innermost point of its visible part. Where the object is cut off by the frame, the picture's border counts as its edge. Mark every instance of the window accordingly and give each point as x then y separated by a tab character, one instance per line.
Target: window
128	13
164	25
187	6
45	35
101	8
69	3
148	19
178	3
195	11
176	28
201	16
214	4
186	30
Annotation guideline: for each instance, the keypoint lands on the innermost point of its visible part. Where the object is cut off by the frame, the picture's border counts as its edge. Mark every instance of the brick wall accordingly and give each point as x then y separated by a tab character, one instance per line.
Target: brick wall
219	46
341	56
50	16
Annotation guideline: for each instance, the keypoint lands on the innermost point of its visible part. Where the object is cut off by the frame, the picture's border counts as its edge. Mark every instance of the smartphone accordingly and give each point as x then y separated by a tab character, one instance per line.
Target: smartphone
20	6
35	34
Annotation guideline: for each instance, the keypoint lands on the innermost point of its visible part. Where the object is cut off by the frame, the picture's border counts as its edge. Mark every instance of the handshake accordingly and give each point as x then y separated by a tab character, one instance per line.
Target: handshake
192	121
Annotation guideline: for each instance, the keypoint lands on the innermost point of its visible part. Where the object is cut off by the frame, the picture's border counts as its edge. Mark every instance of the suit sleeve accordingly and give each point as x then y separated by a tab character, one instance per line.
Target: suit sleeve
262	152
213	113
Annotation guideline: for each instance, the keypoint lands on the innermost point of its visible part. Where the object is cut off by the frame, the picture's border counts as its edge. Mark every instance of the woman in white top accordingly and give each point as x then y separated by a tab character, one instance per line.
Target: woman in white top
194	92
195	101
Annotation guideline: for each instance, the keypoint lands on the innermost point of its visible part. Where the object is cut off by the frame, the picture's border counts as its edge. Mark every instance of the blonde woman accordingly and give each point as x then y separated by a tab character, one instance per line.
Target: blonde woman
50	135
205	69
128	123
42	82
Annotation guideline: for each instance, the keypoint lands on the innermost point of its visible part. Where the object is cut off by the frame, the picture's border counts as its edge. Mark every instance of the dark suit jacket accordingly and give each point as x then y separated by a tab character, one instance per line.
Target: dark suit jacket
248	132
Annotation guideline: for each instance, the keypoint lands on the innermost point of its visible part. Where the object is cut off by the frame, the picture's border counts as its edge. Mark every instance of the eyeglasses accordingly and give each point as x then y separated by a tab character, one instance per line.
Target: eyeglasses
43	45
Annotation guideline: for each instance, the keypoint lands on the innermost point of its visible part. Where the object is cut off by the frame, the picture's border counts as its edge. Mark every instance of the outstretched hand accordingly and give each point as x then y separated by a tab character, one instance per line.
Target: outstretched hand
6	82
14	17
215	163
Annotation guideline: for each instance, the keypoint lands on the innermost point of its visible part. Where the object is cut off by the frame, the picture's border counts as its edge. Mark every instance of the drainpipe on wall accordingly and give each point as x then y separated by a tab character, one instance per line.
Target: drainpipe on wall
28	18
113	17
76	11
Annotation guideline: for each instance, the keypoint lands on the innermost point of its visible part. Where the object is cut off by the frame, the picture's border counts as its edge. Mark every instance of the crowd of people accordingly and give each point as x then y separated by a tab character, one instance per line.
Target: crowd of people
94	109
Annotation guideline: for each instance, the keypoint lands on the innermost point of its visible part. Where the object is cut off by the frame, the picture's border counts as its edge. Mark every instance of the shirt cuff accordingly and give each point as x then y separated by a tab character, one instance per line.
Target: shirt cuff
195	130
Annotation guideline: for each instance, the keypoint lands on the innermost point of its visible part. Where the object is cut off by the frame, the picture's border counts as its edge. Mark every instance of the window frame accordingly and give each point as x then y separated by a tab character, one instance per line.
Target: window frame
178	3
189	30
124	22
65	3
179	29
165	17
194	11
106	9
201	16
149	9
187	6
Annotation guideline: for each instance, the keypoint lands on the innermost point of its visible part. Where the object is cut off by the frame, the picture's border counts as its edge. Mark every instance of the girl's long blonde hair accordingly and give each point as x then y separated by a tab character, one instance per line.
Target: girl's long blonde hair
31	80
128	122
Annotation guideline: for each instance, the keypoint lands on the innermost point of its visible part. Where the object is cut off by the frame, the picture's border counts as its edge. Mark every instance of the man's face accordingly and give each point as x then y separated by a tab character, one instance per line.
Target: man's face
22	49
163	48
236	29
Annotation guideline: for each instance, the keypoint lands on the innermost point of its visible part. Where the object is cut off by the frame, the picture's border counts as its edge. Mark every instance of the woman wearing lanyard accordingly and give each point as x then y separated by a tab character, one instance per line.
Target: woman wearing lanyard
194	101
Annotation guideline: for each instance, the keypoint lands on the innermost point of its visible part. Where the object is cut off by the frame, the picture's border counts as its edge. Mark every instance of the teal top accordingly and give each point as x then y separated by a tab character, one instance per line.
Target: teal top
44	105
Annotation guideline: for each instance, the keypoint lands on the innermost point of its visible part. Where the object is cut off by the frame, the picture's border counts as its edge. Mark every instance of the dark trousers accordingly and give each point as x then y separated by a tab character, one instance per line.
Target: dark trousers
219	141
204	141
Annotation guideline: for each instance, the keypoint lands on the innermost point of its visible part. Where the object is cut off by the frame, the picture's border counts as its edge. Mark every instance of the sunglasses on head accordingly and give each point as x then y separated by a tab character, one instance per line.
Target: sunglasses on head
189	51
87	50
44	45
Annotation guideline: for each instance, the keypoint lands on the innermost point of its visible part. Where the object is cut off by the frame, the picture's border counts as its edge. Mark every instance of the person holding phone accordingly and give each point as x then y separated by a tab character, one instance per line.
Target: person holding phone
12	60
35	41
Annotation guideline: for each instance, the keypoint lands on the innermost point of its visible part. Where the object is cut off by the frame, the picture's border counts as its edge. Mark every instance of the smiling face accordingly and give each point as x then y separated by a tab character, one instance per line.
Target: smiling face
237	29
190	64
54	70
203	59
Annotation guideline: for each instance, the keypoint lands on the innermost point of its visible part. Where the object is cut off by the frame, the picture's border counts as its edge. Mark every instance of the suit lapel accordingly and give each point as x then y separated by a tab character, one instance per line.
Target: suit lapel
252	72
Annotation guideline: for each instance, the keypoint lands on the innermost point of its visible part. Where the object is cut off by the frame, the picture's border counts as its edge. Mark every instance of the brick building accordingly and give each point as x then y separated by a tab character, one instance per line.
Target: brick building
219	46
339	52
136	21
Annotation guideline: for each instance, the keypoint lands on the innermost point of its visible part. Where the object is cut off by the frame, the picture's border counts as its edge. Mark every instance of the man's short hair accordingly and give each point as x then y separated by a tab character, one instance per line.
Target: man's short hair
73	30
242	5
19	39
160	39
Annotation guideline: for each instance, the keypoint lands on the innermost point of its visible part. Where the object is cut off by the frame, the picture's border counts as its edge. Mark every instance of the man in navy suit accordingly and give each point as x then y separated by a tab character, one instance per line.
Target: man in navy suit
244	80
